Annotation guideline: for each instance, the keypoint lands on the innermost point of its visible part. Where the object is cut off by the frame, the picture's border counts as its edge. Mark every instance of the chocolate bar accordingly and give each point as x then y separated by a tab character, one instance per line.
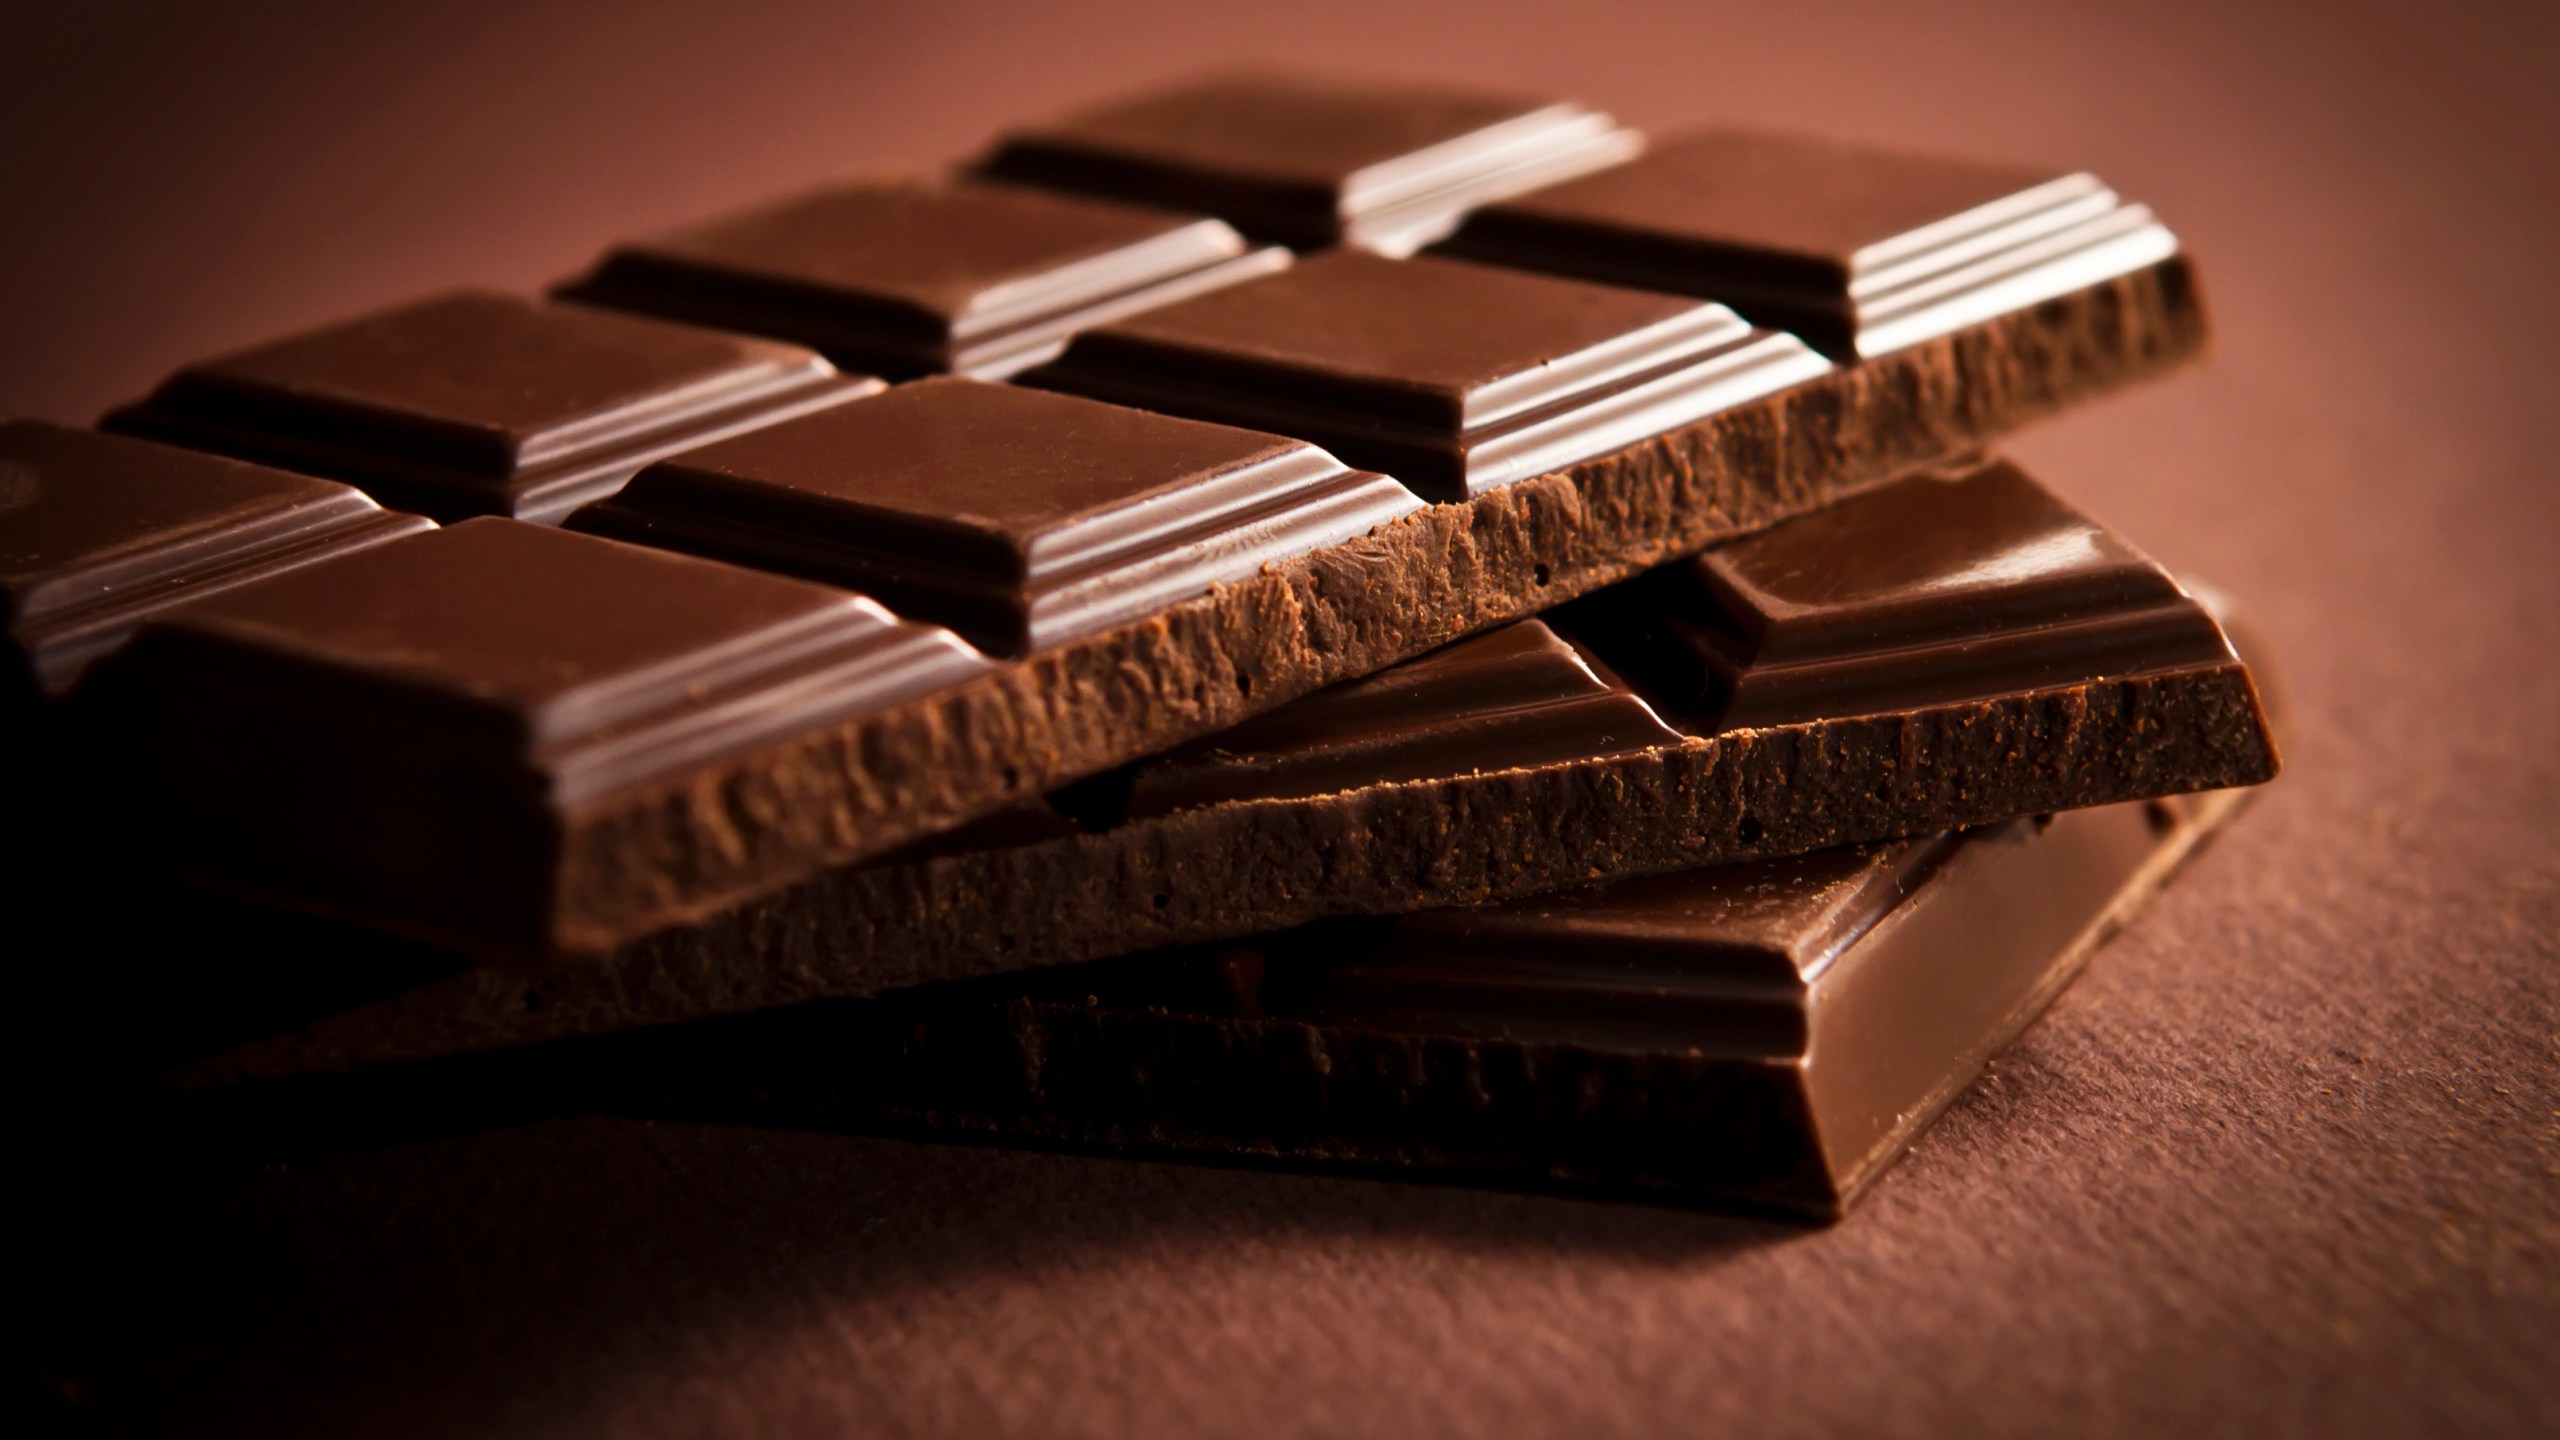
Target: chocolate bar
1310	162
1670	425
1950	650
1860	251
1770	1035
910	277
480	404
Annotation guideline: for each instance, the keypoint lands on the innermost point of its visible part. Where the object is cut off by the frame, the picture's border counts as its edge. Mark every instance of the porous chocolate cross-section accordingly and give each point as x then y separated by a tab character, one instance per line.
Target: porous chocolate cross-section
1019	518
480	404
1315	162
1860	250
1454	378
919	276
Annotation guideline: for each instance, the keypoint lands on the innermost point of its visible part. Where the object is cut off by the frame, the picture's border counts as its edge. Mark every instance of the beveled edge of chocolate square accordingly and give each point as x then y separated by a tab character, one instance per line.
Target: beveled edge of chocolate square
1014	323
381	451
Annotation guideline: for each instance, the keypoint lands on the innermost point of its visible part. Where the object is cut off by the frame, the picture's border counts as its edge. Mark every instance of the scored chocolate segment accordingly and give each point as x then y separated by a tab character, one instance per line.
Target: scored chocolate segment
400	733
923	276
1019	518
1313	163
477	404
1772	1034
1517	697
1859	250
97	533
1454	378
1934	589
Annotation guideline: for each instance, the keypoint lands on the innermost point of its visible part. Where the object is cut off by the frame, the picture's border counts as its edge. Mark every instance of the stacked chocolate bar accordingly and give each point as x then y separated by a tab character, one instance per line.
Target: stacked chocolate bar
1272	619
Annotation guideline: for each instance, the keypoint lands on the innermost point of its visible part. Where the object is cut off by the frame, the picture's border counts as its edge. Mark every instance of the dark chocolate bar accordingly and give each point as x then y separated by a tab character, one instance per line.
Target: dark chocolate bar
1859	250
1456	379
1312	162
98	533
916	277
1597	744
1771	1035
480	404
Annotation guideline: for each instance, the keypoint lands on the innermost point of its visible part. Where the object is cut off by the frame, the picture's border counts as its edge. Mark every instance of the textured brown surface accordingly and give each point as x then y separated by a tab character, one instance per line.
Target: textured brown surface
2285	1162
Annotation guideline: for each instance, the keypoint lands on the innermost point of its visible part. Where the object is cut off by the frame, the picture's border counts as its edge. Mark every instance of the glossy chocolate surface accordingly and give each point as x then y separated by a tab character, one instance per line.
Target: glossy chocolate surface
1454	378
1516	697
98	532
1936	588
1311	162
604	662
1021	518
1859	250
921	276
473	403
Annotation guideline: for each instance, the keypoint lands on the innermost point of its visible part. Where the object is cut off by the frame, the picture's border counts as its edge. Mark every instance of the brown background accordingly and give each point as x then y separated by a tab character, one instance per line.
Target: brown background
2287	1162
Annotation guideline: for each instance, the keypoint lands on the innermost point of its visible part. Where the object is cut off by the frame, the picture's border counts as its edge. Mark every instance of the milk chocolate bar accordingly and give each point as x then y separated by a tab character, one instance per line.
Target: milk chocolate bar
1771	1035
1945	651
1312	162
924	276
480	404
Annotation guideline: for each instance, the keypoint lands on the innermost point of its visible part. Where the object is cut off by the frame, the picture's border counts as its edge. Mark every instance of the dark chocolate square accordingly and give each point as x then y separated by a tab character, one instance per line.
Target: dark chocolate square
1934	589
916	277
411	724
98	532
1454	378
1313	162
1020	518
472	403
1860	250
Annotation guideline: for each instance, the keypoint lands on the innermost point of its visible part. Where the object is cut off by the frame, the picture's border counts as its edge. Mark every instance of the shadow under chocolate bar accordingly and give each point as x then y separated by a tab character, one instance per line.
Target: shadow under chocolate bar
1952	649
1771	1035
567	782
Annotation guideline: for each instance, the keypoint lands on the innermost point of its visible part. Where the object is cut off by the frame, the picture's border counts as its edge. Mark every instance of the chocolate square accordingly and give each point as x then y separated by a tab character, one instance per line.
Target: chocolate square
473	403
98	532
1931	590
1019	518
1860	250
408	729
924	276
1454	378
1312	163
